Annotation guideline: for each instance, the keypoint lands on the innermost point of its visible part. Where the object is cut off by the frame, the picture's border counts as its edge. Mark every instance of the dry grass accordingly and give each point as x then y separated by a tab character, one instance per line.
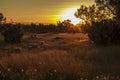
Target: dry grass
60	55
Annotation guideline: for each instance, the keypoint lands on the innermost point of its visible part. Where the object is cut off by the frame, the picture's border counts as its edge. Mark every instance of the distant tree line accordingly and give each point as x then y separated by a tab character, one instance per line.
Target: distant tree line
13	32
61	27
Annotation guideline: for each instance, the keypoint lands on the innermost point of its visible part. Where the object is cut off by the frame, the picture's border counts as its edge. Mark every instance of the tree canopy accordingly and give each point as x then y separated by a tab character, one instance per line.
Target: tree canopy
101	10
112	5
2	18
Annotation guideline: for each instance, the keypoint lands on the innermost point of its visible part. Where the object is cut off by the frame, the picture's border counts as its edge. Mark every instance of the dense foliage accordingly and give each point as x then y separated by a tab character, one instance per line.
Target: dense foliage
2	18
105	32
12	33
111	5
93	13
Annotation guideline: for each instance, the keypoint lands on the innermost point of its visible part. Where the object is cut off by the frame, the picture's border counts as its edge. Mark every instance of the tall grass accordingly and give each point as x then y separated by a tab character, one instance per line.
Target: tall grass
73	60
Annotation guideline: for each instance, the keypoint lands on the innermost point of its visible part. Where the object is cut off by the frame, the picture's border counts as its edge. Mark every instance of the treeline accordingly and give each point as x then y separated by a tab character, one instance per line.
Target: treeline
61	26
42	28
13	32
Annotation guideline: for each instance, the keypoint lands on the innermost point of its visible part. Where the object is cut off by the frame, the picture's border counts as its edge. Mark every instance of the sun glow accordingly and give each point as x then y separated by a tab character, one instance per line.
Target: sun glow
69	14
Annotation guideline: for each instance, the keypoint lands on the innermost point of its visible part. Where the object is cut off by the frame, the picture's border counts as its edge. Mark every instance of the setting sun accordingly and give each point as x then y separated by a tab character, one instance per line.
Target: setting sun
69	14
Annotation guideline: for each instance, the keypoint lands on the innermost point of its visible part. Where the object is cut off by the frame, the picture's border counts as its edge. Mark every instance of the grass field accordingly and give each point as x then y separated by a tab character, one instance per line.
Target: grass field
58	57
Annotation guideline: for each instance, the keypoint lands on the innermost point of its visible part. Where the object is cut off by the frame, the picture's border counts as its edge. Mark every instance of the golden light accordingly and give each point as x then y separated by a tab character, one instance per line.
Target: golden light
69	14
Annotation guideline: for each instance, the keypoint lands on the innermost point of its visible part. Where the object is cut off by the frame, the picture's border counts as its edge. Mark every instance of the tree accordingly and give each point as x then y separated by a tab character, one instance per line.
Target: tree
64	26
104	17
112	5
93	13
12	33
2	18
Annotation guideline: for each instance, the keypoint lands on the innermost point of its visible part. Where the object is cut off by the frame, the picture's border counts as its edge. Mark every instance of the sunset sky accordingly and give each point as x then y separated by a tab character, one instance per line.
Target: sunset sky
38	11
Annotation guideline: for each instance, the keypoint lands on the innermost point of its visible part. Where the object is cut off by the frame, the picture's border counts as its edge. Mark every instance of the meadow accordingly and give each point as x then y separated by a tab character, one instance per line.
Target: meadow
62	56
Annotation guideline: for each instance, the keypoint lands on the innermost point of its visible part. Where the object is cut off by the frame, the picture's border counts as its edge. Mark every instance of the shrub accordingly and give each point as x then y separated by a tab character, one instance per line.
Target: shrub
12	33
105	32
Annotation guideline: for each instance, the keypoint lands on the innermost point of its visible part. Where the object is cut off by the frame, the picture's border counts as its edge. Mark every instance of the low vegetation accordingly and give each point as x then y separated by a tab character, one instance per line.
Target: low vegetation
59	57
106	32
12	33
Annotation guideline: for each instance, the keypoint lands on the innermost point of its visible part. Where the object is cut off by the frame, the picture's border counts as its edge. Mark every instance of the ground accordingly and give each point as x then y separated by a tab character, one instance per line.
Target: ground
64	54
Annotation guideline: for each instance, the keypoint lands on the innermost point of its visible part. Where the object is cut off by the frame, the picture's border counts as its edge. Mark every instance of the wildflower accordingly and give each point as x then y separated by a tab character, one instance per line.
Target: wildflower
9	69
22	70
55	70
104	78
97	77
118	78
30	79
81	78
40	63
35	70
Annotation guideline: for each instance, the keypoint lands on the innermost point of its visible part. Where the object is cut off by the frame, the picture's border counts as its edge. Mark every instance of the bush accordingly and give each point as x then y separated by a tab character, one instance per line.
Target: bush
105	32
12	33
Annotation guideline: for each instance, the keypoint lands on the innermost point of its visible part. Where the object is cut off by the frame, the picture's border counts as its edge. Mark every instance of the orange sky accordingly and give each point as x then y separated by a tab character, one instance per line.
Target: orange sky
38	11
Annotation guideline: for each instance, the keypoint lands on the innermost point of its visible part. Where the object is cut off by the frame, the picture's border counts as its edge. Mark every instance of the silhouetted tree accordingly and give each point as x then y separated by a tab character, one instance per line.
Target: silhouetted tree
112	5
65	26
93	13
102	21
2	18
